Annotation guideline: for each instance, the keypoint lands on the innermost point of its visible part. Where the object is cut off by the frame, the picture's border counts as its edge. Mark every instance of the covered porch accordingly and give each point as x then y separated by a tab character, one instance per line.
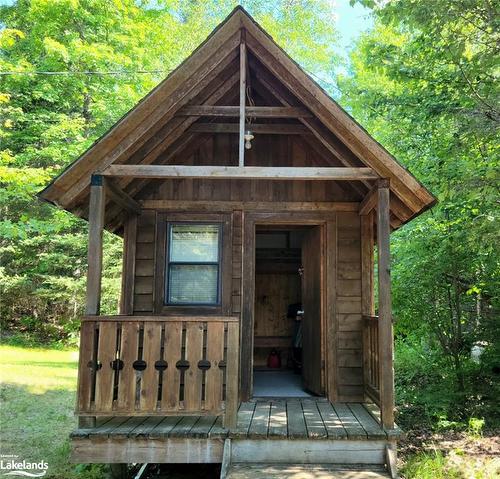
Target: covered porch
350	431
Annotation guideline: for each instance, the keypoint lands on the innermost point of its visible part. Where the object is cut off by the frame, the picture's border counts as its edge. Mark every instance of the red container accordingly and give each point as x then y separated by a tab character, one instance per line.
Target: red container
274	360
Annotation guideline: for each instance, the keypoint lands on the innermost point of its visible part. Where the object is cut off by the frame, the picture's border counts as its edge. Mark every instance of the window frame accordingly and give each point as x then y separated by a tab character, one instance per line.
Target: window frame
169	263
162	218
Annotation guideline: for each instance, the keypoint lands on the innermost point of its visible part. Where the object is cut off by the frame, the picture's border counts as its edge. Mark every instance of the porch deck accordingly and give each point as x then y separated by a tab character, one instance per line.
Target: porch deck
201	438
257	419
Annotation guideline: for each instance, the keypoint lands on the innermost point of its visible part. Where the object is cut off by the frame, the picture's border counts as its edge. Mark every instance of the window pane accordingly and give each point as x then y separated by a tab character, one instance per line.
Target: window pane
193	284
194	243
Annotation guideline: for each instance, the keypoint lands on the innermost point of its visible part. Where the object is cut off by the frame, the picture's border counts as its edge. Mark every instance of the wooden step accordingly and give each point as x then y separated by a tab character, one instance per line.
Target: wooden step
304	471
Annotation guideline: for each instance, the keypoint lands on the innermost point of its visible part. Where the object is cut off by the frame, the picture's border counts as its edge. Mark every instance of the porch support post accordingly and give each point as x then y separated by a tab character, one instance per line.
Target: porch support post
384	307
96	227
94	260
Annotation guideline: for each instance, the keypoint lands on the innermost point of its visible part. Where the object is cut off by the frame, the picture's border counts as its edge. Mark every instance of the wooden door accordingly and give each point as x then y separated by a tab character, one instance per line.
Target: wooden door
312	253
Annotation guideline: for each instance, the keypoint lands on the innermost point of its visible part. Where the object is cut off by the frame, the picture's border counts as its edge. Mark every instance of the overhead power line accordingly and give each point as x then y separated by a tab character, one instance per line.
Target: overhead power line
84	72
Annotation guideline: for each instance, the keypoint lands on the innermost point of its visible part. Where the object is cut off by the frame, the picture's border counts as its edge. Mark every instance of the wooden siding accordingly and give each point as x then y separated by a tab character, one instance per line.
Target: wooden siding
349	321
346	364
144	265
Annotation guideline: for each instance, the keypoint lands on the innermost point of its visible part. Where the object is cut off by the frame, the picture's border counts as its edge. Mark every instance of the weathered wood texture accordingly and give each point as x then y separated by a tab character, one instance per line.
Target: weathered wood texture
371	361
96	228
143	366
386	336
348	308
294	471
309	418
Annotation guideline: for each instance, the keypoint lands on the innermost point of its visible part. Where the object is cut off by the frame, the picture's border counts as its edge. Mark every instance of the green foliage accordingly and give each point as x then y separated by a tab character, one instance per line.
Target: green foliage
424	83
430	466
47	121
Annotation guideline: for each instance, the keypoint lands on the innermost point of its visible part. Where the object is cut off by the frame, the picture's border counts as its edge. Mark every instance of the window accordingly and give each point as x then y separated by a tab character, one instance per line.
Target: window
193	264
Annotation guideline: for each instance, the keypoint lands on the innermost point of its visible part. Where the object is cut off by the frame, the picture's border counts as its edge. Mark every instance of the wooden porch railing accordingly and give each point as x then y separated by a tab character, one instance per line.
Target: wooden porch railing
371	357
152	365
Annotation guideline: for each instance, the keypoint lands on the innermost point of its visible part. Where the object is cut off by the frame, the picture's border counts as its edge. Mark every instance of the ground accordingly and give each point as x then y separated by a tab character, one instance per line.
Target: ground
36	415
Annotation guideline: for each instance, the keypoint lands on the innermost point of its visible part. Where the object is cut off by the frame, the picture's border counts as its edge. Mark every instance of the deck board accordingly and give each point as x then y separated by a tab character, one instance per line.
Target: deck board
332	422
260	420
257	419
277	420
296	421
352	426
314	422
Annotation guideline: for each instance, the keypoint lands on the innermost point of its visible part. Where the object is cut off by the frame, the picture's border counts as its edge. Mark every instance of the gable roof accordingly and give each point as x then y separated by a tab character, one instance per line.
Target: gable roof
207	76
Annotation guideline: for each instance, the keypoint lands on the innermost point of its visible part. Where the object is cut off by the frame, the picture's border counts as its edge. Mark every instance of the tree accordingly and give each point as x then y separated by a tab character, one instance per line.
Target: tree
423	82
109	55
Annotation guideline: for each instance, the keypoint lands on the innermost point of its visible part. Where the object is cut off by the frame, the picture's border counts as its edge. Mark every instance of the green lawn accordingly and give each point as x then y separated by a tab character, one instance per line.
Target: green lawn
36	416
37	397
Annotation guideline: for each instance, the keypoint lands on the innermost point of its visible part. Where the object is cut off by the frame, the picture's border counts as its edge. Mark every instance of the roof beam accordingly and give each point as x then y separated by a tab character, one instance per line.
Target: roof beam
237	172
266	129
118	196
184	84
250	111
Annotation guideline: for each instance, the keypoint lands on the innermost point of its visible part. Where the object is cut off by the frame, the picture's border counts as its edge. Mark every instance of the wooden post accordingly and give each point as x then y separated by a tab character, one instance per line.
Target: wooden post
96	228
243	87
128	268
367	290
384	307
94	259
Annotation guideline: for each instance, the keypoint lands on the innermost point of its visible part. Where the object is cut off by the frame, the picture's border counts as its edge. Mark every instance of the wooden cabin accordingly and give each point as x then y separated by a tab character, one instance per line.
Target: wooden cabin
249	204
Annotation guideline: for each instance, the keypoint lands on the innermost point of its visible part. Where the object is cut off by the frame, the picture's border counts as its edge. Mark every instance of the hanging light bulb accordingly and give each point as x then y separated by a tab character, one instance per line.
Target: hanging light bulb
248	138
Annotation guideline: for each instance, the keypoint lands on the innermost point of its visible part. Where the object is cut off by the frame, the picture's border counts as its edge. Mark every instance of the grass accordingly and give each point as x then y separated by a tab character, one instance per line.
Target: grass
454	465
37	396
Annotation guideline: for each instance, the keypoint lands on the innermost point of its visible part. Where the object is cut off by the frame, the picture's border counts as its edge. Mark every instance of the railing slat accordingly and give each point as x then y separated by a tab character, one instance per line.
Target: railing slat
127	377
150	377
214	375
172	376
193	375
106	353
232	374
117	387
370	350
86	375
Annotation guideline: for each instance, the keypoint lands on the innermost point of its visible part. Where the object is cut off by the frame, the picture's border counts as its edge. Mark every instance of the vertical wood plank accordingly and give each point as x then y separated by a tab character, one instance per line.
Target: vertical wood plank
243	88
96	227
86	375
214	375
171	376
367	297
126	377
247	320
367	238
106	353
193	375
385	349
331	315
128	268
232	370
150	377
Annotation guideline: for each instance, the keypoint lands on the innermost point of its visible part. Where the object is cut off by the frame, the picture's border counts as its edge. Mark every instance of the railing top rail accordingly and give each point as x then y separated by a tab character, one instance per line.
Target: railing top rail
191	319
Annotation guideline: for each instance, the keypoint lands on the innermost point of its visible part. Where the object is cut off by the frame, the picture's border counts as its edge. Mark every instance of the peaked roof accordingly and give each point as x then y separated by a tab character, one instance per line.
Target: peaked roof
207	76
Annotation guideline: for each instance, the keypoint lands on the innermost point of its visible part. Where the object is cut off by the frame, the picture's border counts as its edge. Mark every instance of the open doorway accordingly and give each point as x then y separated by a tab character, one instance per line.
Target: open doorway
287	358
